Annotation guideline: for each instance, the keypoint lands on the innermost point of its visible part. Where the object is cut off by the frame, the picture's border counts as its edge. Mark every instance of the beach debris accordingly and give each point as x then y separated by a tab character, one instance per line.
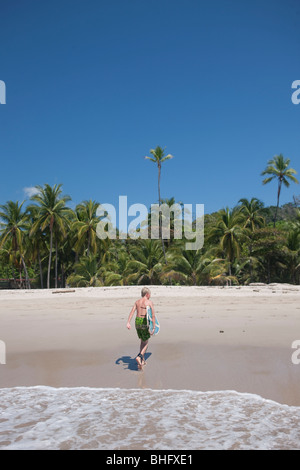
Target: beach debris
63	291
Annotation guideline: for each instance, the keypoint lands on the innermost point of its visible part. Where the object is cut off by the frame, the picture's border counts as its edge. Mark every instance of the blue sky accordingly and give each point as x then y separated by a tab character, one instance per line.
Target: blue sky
93	85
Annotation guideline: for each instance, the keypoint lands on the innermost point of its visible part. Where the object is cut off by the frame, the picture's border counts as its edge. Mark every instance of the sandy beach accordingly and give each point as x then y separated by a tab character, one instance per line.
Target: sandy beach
211	338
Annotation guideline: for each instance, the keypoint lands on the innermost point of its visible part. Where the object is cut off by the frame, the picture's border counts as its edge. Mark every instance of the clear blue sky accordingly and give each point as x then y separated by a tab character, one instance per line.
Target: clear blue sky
93	85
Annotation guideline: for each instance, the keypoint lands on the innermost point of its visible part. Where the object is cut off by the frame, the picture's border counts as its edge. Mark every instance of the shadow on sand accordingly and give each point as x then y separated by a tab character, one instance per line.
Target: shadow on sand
130	362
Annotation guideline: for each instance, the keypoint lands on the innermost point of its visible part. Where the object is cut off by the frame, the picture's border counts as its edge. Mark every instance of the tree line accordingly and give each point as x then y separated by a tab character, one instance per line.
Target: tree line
48	244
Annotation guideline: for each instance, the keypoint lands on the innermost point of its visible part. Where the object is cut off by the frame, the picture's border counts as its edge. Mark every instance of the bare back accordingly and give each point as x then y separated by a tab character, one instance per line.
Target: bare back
141	307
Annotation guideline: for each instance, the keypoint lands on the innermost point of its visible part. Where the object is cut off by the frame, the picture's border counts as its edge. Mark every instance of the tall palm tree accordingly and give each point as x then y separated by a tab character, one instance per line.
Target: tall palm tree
278	169
158	157
52	214
13	226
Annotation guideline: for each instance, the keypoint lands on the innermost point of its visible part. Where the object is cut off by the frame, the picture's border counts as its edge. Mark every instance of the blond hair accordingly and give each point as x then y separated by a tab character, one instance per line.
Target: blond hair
145	291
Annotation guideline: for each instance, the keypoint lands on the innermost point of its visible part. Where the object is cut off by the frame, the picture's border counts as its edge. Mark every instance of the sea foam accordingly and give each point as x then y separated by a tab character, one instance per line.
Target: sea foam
110	419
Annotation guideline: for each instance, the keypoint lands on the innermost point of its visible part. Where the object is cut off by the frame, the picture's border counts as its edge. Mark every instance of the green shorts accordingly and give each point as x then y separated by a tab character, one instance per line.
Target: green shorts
142	328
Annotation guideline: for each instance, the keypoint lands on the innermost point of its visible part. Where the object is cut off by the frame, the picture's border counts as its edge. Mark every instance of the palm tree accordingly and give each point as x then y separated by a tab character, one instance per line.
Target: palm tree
92	272
251	211
158	157
253	220
87	273
227	230
86	225
12	228
184	266
114	264
37	242
52	214
6	259
145	267
215	271
278	169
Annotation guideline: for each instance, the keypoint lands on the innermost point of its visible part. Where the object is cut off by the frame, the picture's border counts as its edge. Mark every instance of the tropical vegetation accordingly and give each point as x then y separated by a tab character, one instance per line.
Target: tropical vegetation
45	243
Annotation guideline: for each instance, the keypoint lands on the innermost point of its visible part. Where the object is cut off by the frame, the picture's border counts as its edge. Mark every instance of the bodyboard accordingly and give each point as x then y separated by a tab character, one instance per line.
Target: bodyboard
150	321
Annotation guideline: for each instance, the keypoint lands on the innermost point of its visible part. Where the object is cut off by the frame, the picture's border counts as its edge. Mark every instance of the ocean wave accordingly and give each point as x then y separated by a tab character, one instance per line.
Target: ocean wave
118	419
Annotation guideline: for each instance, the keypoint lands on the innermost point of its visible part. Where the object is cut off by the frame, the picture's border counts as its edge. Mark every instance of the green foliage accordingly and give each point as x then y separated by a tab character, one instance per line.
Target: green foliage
49	241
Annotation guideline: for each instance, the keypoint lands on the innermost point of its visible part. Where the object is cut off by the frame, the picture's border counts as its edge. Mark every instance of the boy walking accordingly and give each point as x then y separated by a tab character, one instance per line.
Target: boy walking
140	306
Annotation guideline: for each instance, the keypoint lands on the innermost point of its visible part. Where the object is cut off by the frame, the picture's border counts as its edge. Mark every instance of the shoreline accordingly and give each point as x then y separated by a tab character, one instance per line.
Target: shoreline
212	338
